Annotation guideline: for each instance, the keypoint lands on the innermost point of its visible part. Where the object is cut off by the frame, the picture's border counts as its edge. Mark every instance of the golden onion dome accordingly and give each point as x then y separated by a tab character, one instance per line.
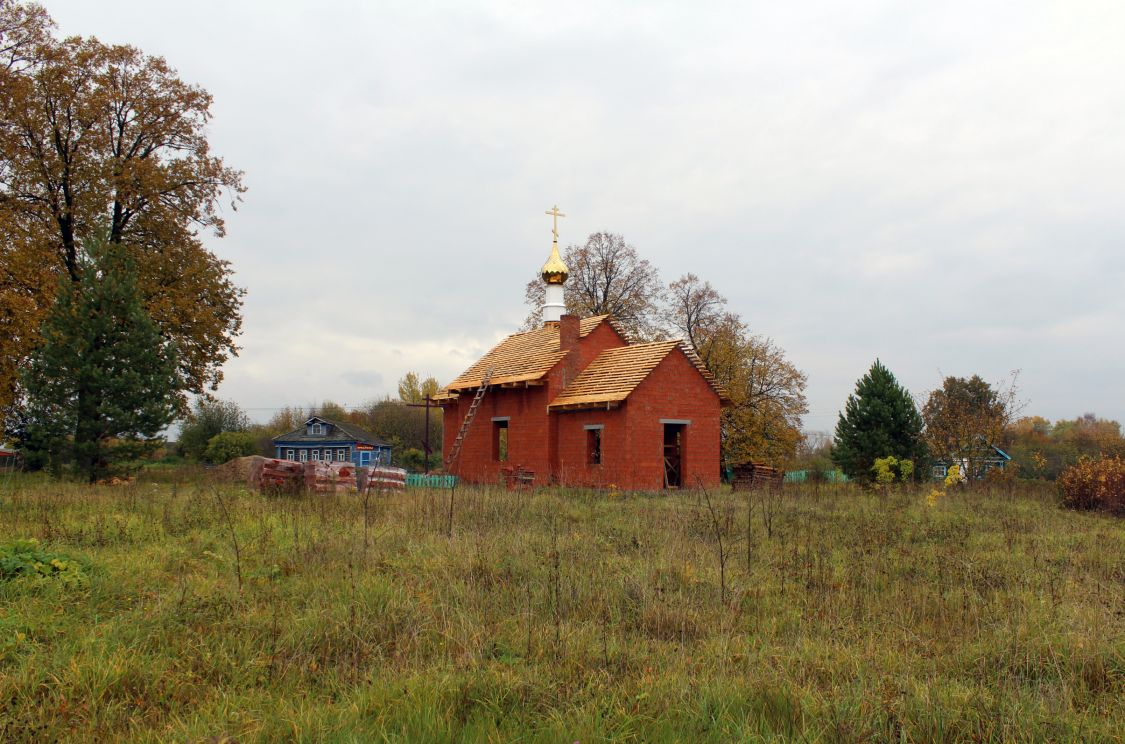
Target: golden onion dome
555	271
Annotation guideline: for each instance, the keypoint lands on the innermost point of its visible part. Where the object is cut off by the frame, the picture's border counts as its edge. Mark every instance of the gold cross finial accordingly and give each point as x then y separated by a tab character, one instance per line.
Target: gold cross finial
555	213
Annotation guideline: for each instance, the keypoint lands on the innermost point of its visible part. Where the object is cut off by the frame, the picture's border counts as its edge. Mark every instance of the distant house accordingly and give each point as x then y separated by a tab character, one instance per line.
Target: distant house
8	456
991	457
332	441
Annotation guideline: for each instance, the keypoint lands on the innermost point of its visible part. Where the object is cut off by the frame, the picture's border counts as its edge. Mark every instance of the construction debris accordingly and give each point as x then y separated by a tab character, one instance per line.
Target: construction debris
517	477
750	475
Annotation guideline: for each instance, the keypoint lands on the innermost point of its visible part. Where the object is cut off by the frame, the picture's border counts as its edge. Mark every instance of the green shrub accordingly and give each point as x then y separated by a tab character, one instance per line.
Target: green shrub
413	459
208	418
25	559
228	445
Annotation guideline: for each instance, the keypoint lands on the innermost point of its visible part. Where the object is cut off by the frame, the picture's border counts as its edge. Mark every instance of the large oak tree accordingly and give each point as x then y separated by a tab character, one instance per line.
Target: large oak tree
103	139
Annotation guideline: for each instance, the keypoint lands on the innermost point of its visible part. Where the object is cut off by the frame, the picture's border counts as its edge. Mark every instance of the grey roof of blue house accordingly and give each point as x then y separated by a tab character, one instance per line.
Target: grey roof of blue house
351	431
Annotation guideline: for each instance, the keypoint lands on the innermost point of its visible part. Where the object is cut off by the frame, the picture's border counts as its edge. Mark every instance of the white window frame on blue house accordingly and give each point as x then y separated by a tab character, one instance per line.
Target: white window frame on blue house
316	429
304	455
316	455
342	454
289	455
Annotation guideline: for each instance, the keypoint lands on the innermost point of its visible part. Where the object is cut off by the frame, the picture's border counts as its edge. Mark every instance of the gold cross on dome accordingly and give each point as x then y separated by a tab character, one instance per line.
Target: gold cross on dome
555	213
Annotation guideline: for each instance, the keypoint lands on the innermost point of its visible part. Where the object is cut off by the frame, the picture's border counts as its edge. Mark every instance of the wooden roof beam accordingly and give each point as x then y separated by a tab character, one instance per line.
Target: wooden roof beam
603	405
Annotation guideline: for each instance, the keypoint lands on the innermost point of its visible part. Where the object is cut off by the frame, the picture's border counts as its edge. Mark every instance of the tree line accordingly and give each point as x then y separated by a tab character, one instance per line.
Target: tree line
959	424
215	431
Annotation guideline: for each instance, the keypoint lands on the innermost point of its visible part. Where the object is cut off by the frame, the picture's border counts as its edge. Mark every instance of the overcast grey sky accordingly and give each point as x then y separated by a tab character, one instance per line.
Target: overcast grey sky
938	184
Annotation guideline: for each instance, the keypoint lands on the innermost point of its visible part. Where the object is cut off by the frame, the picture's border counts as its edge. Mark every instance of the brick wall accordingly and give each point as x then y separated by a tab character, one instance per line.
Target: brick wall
573	468
555	446
674	390
526	410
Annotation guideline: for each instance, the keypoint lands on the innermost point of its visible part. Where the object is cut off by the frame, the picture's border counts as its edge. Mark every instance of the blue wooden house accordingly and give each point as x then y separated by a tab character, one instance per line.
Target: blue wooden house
990	457
331	441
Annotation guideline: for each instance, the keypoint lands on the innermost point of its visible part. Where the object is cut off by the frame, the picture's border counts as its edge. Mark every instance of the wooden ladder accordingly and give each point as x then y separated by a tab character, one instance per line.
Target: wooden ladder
456	449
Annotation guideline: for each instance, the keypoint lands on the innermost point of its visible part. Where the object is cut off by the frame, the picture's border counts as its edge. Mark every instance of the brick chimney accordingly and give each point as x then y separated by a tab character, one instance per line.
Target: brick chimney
568	332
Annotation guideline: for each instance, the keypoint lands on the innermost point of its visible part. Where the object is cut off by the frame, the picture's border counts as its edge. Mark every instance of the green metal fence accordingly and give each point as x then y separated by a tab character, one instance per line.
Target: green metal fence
418	480
802	476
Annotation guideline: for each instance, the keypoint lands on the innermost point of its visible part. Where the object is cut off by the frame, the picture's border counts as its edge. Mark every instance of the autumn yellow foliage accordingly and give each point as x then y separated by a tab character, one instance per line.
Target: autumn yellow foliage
104	141
1094	484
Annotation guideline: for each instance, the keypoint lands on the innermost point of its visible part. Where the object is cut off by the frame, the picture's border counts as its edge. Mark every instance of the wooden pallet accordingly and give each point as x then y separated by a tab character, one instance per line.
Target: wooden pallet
750	475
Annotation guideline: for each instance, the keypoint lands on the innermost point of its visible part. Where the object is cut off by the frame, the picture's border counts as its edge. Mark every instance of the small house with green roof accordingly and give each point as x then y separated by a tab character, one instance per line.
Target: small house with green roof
324	440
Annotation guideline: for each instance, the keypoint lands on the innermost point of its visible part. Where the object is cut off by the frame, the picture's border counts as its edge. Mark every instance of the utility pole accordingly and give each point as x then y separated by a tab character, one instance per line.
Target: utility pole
426	436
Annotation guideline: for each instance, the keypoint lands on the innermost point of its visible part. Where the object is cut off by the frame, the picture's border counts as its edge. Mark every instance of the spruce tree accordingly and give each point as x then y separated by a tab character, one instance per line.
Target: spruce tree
879	420
103	382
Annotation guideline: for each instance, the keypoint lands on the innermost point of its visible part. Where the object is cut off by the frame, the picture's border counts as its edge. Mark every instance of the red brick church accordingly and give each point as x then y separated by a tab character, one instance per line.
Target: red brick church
574	403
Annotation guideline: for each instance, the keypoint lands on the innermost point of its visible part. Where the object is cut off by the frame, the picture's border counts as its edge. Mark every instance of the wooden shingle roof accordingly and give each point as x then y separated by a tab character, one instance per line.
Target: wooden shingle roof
615	373
720	390
521	357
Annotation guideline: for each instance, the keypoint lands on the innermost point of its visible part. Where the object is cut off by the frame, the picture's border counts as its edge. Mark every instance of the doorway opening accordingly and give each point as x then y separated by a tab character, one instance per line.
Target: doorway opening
673	455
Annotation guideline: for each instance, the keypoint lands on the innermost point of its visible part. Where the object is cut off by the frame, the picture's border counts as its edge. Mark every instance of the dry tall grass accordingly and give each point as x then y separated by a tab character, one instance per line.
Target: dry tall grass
562	616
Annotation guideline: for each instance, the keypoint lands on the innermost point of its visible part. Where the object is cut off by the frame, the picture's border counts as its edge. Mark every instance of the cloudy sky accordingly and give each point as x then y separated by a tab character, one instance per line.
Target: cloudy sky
938	184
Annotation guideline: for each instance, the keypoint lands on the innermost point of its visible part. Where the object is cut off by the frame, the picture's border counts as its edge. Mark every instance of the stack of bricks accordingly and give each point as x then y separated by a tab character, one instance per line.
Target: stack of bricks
329	477
386	479
270	474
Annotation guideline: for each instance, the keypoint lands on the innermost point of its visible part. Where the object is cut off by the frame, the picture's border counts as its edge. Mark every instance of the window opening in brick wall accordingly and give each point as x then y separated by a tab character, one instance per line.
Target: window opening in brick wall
593	446
500	441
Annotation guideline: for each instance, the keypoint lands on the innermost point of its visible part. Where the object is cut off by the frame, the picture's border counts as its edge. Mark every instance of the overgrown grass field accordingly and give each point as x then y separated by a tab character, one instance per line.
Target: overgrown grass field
191	612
